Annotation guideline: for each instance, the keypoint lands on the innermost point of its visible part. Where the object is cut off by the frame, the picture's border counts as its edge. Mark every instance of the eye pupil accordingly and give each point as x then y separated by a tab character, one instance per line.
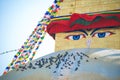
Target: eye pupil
101	35
76	37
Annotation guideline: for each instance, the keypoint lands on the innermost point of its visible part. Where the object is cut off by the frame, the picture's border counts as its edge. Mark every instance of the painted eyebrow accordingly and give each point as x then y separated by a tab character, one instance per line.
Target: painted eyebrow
84	32
94	30
80	31
99	29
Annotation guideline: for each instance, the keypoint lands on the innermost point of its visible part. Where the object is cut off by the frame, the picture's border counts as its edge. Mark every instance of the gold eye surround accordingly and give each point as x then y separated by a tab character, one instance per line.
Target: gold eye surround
102	34
75	37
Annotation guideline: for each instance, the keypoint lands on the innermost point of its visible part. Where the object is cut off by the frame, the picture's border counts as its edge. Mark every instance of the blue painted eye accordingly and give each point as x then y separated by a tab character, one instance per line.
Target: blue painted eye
102	34
75	37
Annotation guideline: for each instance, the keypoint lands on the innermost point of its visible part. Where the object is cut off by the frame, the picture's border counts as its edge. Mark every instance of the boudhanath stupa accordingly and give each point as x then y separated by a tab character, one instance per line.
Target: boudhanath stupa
87	43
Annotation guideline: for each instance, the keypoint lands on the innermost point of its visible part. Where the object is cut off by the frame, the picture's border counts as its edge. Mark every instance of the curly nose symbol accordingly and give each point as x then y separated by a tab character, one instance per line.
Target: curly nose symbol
88	43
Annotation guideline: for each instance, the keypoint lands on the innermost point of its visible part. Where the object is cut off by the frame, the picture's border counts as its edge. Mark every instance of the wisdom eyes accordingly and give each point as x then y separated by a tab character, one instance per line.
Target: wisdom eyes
102	34
97	34
75	37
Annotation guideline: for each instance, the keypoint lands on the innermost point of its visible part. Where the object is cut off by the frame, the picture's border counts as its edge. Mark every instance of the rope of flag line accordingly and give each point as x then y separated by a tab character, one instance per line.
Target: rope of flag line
29	48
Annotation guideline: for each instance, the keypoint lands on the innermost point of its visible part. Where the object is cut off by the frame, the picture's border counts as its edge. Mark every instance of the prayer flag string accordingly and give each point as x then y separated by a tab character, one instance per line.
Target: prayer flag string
9	51
29	48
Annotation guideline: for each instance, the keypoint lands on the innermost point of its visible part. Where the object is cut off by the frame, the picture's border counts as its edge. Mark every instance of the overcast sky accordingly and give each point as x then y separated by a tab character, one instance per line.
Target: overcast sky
18	18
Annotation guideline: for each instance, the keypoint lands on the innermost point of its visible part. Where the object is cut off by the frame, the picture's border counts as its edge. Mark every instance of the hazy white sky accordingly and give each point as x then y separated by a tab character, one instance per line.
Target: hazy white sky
18	18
